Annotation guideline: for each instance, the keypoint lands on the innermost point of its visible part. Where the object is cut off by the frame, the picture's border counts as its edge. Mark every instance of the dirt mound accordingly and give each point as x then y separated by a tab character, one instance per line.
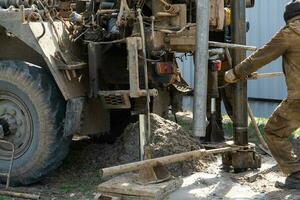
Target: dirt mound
167	138
79	174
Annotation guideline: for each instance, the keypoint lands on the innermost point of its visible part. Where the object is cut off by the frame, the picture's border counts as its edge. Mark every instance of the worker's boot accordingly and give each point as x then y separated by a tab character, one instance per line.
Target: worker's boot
291	182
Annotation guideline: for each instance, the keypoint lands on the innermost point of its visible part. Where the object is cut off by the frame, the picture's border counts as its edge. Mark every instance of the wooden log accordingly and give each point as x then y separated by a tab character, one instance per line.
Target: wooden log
163	161
19	194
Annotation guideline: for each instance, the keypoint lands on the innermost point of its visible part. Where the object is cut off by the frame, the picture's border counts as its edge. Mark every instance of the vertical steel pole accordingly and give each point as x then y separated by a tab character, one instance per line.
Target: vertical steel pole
240	105
200	73
143	130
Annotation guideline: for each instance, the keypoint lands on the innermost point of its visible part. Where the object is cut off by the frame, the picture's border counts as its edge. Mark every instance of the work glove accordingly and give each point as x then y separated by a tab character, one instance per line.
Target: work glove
230	77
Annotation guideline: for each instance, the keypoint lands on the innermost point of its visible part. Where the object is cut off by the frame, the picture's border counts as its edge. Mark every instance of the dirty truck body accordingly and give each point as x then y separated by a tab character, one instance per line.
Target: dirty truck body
82	67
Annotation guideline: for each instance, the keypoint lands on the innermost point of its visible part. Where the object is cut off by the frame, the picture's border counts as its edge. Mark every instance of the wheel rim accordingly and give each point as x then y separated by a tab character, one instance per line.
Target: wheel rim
15	125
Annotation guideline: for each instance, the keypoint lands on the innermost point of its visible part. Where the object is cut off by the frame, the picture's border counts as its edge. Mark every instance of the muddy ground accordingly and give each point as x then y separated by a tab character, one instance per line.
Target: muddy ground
78	177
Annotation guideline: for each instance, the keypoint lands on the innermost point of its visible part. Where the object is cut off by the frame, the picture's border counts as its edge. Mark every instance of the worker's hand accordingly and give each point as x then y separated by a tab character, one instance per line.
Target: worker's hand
230	77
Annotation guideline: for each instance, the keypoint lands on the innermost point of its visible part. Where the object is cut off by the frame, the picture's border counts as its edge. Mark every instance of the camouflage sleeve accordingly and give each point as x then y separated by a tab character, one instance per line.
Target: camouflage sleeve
272	50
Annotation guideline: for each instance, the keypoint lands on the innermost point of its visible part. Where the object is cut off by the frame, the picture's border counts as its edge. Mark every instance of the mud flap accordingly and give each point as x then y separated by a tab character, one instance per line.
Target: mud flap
178	90
73	116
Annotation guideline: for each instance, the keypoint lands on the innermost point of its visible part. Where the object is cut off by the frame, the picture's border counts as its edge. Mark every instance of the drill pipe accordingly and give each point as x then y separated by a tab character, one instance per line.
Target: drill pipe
163	161
240	105
201	69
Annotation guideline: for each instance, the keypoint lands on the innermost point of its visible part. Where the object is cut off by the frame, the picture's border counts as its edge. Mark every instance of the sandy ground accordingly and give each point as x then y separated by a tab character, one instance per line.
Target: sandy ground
215	184
78	177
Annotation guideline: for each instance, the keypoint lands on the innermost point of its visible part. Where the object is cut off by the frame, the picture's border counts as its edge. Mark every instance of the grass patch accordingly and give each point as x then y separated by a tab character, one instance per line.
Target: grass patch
297	133
77	188
2	198
187	124
67	188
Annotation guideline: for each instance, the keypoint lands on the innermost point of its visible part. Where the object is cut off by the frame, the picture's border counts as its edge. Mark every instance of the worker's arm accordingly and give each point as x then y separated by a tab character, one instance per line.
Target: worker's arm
272	50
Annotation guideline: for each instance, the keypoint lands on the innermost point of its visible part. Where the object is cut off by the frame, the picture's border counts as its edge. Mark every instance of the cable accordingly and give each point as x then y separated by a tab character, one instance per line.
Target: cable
41	20
224	86
148	59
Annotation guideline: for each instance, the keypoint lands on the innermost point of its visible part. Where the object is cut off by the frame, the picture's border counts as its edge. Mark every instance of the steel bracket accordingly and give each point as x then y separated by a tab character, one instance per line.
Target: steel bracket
152	174
134	44
241	160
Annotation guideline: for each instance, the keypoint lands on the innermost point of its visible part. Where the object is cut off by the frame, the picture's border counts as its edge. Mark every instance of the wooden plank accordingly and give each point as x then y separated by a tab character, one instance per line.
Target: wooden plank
127	185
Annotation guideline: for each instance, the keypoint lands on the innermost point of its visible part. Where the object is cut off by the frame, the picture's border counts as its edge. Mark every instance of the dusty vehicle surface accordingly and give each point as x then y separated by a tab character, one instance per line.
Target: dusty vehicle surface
80	67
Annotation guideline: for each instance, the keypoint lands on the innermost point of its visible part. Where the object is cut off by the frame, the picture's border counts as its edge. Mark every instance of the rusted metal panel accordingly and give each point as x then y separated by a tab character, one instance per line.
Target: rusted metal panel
74	115
96	118
13	22
13	45
133	45
217	15
95	56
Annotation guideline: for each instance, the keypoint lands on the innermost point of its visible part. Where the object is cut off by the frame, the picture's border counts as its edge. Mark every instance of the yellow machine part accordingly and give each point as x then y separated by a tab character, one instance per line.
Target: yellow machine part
227	16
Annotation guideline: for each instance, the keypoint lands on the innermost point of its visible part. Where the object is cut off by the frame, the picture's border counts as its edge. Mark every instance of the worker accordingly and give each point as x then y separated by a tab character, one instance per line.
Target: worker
286	118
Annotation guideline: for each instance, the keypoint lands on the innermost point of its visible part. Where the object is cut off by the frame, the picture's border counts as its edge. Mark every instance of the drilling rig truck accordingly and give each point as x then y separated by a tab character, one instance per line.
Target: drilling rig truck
80	67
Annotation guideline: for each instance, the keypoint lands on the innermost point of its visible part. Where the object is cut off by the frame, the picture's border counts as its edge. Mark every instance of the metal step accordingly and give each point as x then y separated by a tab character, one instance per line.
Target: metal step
120	99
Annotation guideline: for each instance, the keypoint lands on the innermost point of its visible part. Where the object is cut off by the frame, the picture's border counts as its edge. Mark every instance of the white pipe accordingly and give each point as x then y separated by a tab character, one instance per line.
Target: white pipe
201	69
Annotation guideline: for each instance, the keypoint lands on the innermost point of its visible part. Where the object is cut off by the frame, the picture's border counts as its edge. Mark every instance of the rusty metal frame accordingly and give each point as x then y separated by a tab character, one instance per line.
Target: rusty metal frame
134	44
13	22
8	174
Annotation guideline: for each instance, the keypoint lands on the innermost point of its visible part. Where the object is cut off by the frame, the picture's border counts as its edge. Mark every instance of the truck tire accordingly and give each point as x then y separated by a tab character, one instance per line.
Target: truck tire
32	111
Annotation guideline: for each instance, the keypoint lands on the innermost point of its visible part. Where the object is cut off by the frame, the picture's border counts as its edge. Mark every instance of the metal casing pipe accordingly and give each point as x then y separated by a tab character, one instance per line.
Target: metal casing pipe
201	69
240	105
166	160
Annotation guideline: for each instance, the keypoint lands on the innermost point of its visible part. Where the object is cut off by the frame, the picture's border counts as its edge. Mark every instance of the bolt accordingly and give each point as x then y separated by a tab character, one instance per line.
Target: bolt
18	134
13	112
19	122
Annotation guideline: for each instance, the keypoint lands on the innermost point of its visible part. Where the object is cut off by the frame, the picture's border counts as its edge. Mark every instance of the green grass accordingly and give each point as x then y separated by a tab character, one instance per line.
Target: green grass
76	187
2	198
297	133
186	124
67	188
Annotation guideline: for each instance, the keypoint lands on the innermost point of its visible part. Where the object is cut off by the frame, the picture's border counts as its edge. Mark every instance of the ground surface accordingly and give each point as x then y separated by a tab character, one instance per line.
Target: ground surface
78	177
215	184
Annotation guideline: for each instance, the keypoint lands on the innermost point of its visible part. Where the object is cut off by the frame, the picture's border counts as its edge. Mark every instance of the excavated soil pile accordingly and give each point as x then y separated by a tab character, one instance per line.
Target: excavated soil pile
80	170
167	138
